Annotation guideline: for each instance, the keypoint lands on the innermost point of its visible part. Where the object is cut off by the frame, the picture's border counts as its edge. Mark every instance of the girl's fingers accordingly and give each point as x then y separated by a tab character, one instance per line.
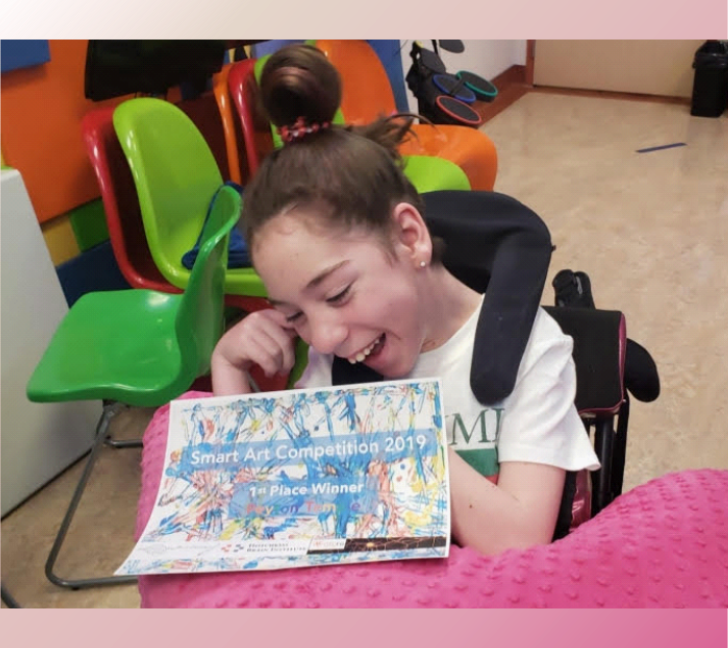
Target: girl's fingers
261	353
263	338
280	347
283	347
280	319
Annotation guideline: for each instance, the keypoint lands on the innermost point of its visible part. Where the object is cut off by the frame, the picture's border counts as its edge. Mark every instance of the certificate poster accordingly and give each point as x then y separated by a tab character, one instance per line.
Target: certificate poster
300	478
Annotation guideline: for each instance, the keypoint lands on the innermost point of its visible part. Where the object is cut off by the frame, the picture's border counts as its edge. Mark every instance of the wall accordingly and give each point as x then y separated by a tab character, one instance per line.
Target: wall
643	67
43	103
486	58
41	136
39	440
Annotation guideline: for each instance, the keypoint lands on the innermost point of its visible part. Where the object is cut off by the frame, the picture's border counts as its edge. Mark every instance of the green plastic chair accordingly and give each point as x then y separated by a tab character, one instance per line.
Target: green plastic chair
434	174
425	172
136	347
176	175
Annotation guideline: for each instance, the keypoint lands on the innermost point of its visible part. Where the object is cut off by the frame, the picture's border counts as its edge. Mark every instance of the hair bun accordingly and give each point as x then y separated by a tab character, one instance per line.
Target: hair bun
299	81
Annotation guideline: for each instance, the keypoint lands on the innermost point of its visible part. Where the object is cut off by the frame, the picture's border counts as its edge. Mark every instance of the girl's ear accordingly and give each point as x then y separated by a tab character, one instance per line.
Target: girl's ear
411	237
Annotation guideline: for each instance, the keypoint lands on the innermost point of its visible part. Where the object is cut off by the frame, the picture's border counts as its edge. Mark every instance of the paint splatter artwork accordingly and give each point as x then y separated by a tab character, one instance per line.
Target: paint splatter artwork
300	478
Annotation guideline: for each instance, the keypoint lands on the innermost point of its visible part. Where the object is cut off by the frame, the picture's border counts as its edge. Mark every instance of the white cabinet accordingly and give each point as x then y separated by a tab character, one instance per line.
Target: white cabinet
37	440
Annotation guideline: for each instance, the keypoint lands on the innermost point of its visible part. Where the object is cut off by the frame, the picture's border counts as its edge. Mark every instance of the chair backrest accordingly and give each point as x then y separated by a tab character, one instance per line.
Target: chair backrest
175	174
258	71
600	341
229	123
256	129
366	89
199	322
258	133
121	204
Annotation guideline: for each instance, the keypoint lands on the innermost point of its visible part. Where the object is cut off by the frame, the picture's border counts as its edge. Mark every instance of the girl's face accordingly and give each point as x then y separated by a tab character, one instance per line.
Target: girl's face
344	293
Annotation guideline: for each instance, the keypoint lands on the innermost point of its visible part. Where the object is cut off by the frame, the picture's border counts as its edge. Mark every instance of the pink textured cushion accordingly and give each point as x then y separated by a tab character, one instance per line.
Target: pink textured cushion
663	544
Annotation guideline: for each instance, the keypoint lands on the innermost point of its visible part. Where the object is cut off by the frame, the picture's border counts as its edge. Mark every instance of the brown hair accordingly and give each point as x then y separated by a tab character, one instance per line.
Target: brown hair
353	175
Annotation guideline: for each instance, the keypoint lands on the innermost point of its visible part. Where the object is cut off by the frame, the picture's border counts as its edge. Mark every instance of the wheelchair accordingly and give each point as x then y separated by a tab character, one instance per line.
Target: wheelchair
498	246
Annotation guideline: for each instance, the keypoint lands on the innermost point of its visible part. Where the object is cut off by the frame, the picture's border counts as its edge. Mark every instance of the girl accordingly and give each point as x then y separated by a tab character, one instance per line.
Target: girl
337	235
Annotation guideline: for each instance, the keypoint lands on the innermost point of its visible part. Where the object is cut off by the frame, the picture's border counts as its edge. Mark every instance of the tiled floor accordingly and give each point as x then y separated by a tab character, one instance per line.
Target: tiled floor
650	229
108	504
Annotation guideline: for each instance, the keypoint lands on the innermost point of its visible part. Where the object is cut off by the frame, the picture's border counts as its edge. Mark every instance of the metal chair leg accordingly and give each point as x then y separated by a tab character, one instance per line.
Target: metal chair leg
120	443
620	449
602	478
124	443
7	598
102	433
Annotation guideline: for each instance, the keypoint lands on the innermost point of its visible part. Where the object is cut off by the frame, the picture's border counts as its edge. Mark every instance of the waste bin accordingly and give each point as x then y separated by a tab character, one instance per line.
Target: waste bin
710	85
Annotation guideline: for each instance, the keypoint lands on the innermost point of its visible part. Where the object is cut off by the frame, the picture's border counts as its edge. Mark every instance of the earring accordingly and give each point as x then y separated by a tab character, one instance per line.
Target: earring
422	264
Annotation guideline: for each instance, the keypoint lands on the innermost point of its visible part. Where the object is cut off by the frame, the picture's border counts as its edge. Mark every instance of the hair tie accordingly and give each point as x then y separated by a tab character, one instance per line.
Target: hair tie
300	129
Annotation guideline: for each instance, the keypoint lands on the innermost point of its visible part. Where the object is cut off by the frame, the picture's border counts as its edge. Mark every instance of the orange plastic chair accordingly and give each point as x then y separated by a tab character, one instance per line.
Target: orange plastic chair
426	173
230	125
367	94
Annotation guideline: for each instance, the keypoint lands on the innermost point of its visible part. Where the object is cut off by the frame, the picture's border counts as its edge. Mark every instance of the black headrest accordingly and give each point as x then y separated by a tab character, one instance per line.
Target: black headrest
494	242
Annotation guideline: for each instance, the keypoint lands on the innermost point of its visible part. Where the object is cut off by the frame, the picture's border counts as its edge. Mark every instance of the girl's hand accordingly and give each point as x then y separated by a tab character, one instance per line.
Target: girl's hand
262	338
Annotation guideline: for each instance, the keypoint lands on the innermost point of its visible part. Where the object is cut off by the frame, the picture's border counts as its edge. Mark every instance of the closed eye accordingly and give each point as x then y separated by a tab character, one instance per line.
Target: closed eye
335	299
339	296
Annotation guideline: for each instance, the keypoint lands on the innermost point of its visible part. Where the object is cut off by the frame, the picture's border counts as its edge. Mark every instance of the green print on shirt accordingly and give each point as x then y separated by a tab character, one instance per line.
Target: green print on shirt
478	445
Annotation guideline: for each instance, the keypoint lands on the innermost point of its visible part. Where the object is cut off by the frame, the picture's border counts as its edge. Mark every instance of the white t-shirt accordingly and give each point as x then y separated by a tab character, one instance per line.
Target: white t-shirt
536	423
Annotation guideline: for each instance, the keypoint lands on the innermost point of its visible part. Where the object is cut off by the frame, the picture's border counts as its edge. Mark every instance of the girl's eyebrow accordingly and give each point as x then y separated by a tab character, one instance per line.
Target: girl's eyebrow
325	273
314	282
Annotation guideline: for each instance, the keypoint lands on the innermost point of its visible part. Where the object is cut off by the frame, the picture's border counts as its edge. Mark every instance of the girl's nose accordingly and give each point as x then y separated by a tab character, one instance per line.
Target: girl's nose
327	334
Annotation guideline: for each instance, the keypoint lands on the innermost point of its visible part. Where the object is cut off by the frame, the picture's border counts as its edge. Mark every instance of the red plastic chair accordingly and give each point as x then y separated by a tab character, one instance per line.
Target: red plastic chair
123	213
118	193
256	127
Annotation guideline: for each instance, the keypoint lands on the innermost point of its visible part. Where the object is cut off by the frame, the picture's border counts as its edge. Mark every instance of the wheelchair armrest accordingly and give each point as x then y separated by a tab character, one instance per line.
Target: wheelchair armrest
600	339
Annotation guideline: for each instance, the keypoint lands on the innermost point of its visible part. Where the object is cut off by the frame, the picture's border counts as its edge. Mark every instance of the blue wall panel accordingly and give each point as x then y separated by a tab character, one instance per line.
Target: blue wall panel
16	54
95	269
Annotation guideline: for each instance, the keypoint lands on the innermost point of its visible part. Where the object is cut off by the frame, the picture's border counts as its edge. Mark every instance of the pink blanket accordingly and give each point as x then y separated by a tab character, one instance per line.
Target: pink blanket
663	544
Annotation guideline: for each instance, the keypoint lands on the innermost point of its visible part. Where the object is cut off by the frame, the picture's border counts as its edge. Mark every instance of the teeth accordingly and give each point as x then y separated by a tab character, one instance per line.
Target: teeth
361	356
